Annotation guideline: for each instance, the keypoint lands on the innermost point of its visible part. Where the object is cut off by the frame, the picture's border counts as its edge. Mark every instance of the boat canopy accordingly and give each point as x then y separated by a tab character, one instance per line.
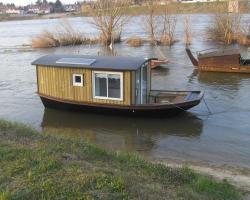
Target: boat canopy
217	52
123	63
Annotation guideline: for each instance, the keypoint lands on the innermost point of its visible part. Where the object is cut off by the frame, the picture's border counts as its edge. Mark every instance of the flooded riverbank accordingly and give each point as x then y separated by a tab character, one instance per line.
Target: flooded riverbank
221	138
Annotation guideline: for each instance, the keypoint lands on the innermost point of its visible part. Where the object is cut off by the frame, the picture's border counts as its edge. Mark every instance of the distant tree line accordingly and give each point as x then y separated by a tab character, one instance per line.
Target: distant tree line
8	5
55	7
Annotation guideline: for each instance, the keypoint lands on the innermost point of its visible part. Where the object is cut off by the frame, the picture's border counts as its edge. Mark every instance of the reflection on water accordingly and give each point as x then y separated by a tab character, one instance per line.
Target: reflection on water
119	133
222	79
160	71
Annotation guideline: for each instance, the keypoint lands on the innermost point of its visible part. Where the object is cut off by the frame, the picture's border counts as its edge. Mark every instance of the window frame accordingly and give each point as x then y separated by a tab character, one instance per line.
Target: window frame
76	84
107	73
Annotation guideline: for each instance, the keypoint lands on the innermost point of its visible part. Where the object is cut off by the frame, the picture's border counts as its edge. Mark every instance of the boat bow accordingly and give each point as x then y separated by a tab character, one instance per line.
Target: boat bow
191	57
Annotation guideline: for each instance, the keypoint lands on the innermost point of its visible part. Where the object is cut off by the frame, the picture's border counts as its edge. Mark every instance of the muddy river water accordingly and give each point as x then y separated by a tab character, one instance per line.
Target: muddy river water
220	138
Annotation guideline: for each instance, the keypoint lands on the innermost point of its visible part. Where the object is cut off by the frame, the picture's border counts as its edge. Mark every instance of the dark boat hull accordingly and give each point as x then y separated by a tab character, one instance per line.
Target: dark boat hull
143	111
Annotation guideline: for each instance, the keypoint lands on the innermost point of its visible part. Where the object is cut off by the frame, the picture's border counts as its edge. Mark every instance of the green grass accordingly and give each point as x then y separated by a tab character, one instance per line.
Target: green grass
7	17
179	8
39	166
182	8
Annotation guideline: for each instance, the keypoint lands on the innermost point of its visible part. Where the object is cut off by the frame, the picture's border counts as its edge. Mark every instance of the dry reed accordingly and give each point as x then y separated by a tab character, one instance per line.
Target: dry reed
244	38
244	35
45	40
135	42
65	35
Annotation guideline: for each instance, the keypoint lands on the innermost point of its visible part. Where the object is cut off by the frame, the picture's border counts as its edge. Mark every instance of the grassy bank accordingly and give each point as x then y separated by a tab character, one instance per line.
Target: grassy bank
182	8
179	8
40	166
8	17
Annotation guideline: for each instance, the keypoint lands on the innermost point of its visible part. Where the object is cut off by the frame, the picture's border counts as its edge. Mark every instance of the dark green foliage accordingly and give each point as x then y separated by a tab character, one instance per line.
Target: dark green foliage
58	7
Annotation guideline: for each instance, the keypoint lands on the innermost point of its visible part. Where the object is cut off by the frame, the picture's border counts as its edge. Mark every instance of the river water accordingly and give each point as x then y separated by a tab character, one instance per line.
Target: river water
222	138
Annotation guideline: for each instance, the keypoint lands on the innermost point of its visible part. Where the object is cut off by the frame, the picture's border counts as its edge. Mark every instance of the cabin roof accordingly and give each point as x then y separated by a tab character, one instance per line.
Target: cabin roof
225	52
93	62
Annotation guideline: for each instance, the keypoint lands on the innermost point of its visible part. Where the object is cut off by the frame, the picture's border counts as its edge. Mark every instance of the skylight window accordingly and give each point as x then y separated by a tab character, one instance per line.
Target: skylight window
76	61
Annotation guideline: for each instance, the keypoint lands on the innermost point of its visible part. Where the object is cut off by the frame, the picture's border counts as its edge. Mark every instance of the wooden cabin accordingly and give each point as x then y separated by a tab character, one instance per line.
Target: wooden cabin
101	83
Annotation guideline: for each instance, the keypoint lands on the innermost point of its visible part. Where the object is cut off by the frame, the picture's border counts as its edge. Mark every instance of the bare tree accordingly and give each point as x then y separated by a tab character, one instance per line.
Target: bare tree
169	21
187	30
225	26
109	19
151	22
161	28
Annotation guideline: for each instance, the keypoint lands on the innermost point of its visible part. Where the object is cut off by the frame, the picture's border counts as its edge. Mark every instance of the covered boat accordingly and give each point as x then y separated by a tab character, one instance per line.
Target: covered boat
154	63
227	60
107	84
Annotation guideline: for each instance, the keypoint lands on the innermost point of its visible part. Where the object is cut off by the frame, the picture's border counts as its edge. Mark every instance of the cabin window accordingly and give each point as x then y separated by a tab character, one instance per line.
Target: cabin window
108	85
77	80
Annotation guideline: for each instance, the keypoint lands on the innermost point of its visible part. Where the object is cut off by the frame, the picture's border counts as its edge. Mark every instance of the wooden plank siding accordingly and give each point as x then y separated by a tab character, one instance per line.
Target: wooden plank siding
57	82
220	61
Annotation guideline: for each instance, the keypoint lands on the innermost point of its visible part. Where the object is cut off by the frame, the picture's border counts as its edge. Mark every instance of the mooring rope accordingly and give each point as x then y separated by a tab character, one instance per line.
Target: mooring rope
209	111
207	107
160	52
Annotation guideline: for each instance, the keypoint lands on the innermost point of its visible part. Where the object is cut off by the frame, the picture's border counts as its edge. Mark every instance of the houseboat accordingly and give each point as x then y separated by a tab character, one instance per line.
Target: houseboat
227	60
107	84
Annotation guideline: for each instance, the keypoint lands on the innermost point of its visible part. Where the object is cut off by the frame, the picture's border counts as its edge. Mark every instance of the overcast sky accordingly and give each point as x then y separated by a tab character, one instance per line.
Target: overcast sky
25	2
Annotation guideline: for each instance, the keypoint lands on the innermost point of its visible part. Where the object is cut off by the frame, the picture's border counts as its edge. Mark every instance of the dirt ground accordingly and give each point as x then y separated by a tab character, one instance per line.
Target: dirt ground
239	177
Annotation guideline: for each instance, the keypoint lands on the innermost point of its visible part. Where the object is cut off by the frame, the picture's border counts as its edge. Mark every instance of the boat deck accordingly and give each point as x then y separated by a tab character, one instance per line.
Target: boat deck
166	97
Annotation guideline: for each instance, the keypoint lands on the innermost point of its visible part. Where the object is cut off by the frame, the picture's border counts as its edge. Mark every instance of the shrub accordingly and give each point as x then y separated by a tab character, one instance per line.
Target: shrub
135	42
109	19
225	27
45	40
65	35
